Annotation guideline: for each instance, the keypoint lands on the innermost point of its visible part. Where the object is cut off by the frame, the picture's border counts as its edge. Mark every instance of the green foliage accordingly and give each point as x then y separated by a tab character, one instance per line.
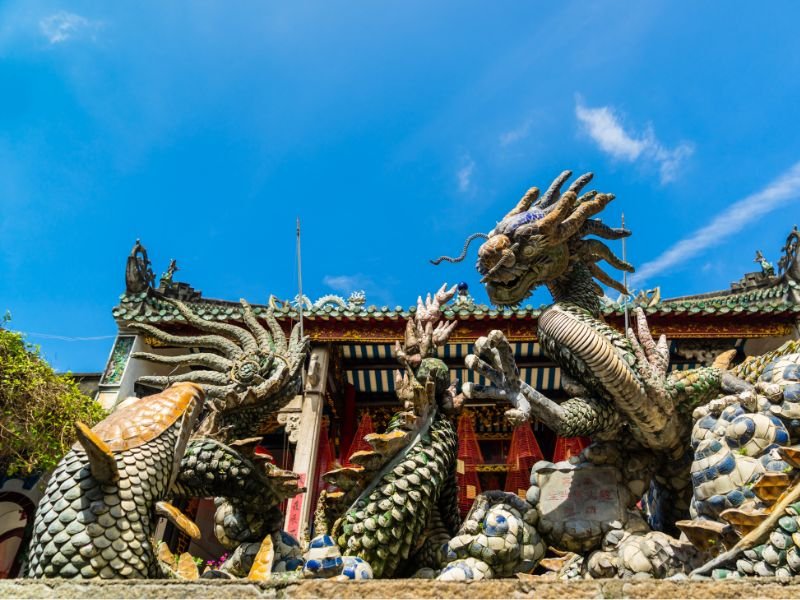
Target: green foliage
38	408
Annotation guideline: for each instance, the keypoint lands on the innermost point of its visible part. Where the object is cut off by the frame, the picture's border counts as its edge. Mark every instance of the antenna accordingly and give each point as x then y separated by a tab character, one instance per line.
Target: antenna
301	303
624	278
299	279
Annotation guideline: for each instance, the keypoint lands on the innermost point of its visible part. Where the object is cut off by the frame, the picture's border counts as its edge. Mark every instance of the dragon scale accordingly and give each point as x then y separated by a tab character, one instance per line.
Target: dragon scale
386	527
96	517
588	356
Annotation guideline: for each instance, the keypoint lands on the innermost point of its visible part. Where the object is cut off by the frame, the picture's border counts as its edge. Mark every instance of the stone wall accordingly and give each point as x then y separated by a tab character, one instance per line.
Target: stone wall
401	588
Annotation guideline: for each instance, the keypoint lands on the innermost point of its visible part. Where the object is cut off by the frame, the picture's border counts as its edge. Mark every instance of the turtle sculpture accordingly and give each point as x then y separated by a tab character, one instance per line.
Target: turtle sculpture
99	510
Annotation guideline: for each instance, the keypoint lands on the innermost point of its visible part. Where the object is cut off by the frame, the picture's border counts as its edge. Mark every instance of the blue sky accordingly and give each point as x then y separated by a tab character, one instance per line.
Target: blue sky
392	129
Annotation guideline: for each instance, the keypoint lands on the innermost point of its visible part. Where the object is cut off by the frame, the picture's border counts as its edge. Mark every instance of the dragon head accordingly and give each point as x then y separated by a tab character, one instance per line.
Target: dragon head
250	365
541	239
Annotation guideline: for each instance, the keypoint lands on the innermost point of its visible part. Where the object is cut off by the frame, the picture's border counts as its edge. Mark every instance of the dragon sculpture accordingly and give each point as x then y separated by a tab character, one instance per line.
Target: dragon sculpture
542	241
399	504
144	450
252	374
624	398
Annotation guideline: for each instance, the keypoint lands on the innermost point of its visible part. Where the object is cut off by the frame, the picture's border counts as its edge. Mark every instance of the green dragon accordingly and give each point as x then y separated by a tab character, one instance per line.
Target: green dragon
399	505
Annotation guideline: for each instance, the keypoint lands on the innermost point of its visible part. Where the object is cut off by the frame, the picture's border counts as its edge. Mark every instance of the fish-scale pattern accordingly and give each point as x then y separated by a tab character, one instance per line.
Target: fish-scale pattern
145	419
85	529
779	556
752	368
432	552
449	510
236	522
592	359
588	416
689	389
384	527
248	492
210	468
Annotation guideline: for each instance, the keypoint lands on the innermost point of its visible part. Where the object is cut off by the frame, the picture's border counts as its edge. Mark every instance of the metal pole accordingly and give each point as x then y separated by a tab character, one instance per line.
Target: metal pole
299	279
625	278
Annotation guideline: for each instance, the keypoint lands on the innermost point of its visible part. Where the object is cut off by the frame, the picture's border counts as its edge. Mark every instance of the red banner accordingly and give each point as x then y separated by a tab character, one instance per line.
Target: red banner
293	525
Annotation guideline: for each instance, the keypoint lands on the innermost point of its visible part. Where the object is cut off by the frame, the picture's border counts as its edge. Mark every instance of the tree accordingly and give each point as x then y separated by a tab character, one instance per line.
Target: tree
38	408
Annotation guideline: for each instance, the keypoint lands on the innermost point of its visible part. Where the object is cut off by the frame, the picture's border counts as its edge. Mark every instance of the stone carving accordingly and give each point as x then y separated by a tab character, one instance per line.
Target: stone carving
291	424
497	539
254	372
354	302
139	275
574	518
464	299
629	401
766	267
166	277
789	250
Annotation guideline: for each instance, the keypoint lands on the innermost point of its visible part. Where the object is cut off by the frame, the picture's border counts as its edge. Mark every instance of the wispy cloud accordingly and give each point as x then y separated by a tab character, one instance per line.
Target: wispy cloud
376	290
346	284
782	190
515	135
603	126
63	26
464	175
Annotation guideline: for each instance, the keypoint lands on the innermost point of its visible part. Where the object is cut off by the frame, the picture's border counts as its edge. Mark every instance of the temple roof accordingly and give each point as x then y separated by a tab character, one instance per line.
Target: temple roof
761	297
149	308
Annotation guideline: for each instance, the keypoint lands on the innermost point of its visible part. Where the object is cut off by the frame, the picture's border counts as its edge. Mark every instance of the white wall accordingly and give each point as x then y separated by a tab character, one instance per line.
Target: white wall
111	395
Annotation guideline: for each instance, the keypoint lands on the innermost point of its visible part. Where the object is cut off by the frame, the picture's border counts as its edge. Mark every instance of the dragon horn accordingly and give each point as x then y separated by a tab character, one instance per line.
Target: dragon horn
580	183
556	216
554	191
525	202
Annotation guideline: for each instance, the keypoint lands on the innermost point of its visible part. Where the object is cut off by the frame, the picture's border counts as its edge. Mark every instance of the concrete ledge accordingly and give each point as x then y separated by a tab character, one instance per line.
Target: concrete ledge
399	588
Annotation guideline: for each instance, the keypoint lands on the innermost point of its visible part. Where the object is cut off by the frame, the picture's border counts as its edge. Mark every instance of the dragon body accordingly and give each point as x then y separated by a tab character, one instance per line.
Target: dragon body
398	505
386	526
620	383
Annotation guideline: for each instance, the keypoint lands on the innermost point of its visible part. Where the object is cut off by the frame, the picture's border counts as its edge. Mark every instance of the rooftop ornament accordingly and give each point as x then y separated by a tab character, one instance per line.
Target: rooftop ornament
139	276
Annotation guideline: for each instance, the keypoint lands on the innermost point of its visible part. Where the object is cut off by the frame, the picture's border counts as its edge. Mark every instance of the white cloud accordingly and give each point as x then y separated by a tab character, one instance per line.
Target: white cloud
62	26
346	284
464	175
518	133
603	126
783	190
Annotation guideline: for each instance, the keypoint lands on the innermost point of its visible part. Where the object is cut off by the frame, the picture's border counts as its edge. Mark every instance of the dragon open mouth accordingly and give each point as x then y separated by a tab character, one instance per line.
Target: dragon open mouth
514	291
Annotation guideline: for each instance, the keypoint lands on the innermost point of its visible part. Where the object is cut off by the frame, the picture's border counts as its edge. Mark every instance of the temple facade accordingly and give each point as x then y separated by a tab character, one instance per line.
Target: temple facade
349	384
